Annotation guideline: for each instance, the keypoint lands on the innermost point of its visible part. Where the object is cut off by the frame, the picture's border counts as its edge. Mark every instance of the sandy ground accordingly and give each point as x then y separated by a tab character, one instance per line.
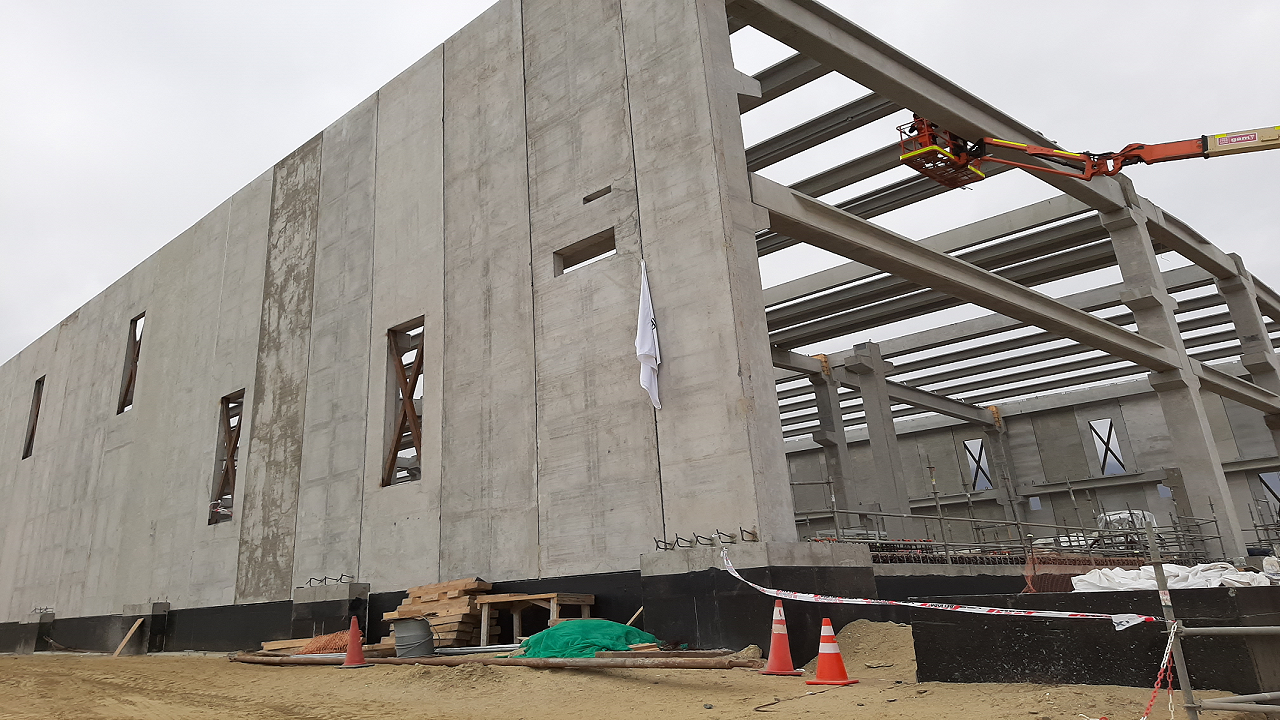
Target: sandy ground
179	687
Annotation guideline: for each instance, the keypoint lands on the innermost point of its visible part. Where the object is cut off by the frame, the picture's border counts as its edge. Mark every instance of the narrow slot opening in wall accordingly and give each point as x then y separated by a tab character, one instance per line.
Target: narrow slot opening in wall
230	424
586	251
597	194
132	351
29	442
406	345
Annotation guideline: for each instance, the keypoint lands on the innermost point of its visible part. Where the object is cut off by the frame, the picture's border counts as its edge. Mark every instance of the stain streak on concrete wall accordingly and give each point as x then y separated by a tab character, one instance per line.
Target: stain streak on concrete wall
270	489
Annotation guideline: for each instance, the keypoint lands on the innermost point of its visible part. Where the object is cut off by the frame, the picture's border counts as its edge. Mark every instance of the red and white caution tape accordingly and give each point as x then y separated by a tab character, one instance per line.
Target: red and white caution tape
1121	621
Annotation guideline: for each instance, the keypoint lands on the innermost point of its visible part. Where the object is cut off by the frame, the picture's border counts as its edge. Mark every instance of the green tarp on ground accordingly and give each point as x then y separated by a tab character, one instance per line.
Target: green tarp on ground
583	639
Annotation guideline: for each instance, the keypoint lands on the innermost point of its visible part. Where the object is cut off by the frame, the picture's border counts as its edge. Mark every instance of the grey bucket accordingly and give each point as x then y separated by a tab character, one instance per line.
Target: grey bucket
413	638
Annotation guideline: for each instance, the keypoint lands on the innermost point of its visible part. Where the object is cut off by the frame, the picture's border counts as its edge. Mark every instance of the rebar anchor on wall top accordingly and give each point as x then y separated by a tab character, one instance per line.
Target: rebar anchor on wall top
719	538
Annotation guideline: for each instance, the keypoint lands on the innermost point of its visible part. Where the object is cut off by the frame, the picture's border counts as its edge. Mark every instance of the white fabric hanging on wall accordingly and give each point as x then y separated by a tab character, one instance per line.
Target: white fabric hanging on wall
647	341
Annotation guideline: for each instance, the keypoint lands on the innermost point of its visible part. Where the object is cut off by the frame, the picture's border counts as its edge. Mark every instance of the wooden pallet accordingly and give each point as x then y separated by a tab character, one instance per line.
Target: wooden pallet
450	607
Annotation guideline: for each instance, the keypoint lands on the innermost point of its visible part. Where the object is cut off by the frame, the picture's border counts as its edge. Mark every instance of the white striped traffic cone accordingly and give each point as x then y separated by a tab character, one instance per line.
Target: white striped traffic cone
830	663
779	647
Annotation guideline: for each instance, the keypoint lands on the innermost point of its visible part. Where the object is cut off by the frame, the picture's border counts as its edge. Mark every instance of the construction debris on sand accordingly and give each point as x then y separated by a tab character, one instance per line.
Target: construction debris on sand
174	687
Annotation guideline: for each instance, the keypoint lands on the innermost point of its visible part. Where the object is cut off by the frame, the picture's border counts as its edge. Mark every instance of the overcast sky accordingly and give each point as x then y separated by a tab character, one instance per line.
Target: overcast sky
123	122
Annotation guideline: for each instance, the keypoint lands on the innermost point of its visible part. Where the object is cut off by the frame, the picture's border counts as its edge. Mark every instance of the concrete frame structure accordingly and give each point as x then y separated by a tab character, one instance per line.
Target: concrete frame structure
456	194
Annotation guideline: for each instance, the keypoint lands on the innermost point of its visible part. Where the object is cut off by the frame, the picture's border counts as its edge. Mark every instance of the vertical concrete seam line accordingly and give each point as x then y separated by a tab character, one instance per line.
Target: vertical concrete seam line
635	176
373	265
444	310
533	296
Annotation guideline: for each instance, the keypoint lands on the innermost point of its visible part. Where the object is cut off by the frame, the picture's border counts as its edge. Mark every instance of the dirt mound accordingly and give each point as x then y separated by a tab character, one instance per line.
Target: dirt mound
876	649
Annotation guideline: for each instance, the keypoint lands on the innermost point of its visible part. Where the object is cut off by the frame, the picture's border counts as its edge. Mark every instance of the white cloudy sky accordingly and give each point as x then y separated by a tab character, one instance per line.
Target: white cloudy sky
123	122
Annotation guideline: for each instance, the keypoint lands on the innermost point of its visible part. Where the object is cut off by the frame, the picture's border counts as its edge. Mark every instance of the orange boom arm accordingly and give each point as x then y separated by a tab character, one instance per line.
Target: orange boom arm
953	161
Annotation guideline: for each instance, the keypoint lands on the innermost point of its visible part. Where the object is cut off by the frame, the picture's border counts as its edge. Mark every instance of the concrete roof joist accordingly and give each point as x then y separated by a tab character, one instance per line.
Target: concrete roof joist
781	78
1035	257
963	391
914	397
1022	219
832	40
839	232
828	126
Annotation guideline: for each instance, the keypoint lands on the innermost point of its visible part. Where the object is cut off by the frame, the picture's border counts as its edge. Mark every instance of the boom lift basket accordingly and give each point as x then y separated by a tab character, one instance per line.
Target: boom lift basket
938	154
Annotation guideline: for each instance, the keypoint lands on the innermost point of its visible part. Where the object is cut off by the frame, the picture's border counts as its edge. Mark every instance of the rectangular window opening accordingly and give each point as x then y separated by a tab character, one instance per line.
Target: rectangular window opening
1271	481
230	424
585	251
406	348
28	445
597	194
132	351
1108	445
979	469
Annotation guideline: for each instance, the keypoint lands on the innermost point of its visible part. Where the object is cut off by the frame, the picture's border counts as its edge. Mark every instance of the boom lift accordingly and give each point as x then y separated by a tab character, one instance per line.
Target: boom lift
954	162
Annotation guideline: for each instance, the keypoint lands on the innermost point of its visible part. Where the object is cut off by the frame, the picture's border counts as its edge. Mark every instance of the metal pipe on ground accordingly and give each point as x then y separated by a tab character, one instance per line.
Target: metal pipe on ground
1255	630
660	663
1239	707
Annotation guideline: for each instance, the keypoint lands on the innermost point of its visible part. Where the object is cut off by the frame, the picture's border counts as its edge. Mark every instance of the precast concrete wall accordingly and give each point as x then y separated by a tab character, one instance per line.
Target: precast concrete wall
452	194
1050	445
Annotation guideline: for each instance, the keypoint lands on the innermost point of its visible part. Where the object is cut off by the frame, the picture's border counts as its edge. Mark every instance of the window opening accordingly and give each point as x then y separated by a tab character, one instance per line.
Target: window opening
1034	500
131	364
230	423
406	345
585	251
29	443
1108	445
979	470
1271	481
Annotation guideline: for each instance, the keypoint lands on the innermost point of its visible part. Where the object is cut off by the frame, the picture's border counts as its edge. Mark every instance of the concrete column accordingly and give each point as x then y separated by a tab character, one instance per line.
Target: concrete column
1002	473
1257	353
887	476
835	449
1179	390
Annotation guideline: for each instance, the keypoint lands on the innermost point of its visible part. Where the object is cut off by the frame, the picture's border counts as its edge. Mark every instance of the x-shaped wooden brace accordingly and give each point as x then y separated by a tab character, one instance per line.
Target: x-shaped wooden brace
231	442
407	414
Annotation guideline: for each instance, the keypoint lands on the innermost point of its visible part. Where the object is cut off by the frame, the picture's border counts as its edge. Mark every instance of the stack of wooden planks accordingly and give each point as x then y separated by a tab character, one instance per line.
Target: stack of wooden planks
450	607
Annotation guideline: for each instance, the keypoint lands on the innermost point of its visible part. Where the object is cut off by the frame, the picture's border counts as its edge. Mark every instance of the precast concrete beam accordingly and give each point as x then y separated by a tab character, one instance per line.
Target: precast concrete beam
829	125
913	304
915	397
1177	280
801	401
856	170
826	36
993	228
781	78
1242	391
1034	246
836	231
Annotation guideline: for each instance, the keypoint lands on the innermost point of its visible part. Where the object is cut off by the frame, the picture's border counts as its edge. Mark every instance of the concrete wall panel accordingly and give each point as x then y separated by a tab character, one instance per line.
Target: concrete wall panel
1144	418
489	486
231	369
599	499
334	441
719	432
1062	450
400	537
270	476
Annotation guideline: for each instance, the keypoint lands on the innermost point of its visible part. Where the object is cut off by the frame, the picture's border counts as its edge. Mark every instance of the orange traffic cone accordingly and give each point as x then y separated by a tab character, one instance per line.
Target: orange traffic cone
779	647
355	648
830	663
